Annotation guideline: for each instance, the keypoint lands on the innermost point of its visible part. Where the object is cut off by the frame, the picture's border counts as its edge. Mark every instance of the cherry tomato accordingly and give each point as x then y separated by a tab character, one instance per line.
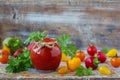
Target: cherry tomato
63	70
91	62
46	54
104	70
73	63
115	62
64	57
18	51
31	45
80	55
101	57
91	50
4	55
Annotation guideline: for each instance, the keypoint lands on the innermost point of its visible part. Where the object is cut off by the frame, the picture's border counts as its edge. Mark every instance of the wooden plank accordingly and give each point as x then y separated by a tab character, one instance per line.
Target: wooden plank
87	21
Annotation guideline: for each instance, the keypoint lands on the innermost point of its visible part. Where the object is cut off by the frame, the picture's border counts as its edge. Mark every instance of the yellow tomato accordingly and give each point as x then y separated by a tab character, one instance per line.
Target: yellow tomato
64	57
112	53
73	63
6	48
104	70
63	70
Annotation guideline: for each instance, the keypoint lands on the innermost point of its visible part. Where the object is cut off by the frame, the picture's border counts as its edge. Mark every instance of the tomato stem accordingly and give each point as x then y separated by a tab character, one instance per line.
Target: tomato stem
91	44
96	61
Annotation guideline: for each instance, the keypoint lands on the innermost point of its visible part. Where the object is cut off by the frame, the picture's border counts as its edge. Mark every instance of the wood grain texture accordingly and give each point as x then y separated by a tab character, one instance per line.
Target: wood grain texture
96	21
33	74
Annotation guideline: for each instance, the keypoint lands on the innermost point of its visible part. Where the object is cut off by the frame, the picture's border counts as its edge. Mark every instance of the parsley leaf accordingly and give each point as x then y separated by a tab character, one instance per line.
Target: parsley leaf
81	71
35	36
22	63
67	45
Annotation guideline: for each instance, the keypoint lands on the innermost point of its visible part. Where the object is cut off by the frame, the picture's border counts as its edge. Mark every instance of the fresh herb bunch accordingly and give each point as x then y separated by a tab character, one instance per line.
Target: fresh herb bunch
66	45
81	71
36	36
21	63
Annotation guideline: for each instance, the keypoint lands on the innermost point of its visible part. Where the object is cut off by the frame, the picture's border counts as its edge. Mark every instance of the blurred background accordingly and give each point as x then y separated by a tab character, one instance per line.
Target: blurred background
96	21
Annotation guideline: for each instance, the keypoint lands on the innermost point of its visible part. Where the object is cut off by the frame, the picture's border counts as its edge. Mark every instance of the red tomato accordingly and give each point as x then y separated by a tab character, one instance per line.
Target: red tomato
91	50
90	62
31	45
19	51
101	57
46	55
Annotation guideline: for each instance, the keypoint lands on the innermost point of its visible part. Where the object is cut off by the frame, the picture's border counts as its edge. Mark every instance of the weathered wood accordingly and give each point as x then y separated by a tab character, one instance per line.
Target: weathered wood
33	74
87	21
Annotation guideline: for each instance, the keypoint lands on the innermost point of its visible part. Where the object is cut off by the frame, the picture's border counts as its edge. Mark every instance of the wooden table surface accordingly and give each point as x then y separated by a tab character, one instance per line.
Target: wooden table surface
33	74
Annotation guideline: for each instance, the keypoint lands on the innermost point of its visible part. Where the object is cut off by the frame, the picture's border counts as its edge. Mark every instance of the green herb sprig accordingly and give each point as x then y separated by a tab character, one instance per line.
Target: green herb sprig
22	63
67	46
81	71
36	36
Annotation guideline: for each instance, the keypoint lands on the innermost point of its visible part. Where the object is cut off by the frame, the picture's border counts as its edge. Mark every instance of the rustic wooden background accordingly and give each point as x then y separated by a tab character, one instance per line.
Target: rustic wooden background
96	21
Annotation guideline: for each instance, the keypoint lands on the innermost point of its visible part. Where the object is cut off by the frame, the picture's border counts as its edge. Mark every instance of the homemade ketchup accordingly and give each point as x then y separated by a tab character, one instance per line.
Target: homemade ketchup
46	54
